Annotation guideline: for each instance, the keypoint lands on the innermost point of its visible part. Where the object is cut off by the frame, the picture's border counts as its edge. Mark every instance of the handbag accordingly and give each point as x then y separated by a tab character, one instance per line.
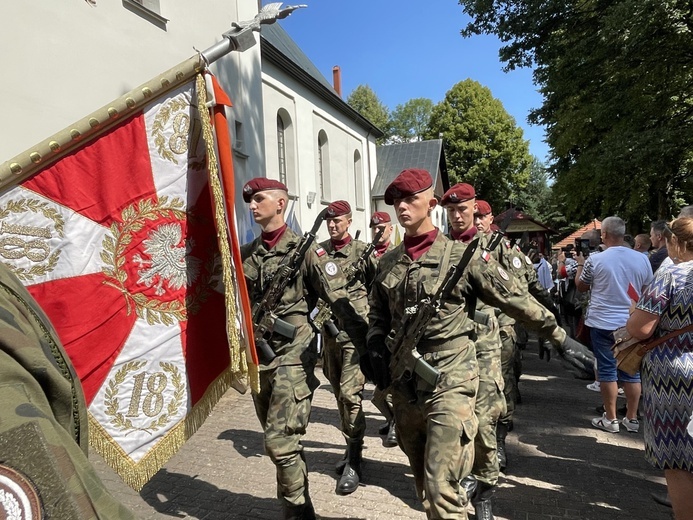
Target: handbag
629	351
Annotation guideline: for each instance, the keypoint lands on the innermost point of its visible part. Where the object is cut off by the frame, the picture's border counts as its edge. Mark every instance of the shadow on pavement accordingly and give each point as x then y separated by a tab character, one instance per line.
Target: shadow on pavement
248	443
183	496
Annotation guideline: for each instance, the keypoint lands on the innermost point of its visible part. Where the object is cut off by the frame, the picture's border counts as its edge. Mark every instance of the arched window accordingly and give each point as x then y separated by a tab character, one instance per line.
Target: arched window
324	166
358	177
281	149
286	155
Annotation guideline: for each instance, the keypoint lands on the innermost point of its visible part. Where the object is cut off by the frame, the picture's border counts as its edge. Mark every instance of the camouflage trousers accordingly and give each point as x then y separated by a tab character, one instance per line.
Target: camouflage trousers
283	407
436	429
490	402
340	364
510	357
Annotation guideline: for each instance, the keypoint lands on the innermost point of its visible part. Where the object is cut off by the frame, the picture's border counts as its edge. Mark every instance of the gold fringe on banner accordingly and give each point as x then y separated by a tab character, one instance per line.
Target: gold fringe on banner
137	474
241	369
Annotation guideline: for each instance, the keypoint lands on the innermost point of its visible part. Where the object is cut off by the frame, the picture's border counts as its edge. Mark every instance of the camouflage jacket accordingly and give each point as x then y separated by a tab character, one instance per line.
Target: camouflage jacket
401	283
517	263
346	257
43	425
319	277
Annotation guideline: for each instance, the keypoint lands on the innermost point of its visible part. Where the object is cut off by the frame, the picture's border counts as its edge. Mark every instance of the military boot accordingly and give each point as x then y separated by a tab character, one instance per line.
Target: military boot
482	502
501	434
351	476
470	484
391	440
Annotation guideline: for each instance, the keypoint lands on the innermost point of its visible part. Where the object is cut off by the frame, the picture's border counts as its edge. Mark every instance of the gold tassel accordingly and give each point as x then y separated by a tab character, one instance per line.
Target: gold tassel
240	368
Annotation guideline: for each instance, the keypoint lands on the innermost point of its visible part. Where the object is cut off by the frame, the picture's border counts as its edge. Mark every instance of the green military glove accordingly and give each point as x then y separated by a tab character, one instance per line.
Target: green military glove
376	364
576	358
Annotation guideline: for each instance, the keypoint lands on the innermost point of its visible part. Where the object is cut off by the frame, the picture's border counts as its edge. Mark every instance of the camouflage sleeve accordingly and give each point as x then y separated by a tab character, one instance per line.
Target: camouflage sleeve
379	319
328	280
495	286
43	431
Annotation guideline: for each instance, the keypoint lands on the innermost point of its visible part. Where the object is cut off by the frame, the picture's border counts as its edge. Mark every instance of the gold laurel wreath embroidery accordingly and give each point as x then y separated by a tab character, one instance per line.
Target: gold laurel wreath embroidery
113	255
35	206
112	402
160	121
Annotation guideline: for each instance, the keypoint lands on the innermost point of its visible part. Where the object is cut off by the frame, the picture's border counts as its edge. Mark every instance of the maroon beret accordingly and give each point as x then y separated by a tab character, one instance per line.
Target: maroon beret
483	207
261	184
380	217
337	209
460	192
408	182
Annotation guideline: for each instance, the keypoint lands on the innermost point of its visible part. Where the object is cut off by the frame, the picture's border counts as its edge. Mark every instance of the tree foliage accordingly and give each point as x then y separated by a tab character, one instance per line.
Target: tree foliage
408	122
364	100
483	144
617	81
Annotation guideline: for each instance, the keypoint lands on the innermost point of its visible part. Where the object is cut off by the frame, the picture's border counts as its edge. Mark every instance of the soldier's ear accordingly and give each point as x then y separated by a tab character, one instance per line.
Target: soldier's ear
281	204
432	203
476	207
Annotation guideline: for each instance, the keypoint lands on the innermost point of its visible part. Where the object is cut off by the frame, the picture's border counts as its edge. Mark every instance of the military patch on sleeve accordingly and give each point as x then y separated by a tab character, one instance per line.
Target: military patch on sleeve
529	262
18	496
331	268
320	252
517	248
517	263
508	245
503	274
485	256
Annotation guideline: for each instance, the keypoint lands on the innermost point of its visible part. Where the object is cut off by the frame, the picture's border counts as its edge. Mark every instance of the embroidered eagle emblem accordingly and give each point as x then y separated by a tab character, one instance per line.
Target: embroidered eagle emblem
169	262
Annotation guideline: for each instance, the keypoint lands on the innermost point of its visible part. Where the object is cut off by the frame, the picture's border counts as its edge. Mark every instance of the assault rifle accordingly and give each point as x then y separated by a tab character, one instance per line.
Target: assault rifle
406	359
265	321
324	314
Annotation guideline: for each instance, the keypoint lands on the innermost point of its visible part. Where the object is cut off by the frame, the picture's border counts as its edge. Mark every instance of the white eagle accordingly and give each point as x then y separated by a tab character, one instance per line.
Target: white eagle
170	262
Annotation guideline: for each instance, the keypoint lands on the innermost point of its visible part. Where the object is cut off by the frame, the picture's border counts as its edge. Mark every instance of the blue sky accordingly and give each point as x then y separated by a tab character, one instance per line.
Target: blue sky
409	49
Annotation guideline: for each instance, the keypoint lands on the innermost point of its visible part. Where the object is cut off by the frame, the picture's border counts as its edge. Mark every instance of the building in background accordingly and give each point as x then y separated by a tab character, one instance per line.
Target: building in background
314	142
392	159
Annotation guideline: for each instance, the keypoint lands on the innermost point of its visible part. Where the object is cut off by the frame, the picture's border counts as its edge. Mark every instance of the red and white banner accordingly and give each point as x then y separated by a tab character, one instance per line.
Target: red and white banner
117	242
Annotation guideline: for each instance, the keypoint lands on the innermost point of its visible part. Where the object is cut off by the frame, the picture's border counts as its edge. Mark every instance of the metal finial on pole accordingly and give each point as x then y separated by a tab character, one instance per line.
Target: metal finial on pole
240	37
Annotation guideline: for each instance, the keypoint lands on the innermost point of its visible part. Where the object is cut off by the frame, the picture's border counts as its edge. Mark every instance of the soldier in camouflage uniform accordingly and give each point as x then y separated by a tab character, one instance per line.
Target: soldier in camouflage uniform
520	266
288	381
436	426
44	469
382	399
340	360
461	207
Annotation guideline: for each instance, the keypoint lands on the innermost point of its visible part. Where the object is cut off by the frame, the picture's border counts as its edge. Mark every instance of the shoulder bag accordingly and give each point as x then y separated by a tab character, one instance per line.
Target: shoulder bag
629	351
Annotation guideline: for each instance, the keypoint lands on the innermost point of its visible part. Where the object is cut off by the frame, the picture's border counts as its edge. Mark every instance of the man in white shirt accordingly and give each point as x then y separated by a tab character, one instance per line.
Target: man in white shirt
608	276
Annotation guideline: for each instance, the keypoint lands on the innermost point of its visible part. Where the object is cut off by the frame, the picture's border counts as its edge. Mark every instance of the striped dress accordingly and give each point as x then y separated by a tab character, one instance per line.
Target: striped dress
667	371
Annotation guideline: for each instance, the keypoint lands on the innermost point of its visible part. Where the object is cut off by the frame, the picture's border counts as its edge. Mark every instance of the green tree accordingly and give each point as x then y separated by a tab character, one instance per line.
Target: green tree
364	100
617	81
483	144
535	198
408	122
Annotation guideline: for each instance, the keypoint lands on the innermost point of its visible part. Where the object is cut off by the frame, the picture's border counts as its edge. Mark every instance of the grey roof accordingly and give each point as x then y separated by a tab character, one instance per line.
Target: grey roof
278	48
394	158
